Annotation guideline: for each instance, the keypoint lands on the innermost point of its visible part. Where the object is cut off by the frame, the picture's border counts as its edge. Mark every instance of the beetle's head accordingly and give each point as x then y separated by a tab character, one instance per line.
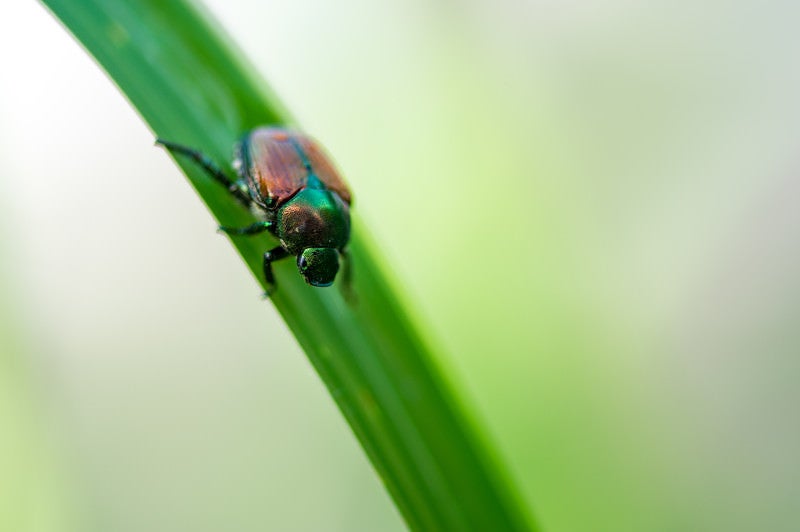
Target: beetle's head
318	265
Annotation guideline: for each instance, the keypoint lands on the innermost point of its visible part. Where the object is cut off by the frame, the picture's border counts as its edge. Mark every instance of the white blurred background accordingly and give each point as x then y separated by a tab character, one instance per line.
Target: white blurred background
592	204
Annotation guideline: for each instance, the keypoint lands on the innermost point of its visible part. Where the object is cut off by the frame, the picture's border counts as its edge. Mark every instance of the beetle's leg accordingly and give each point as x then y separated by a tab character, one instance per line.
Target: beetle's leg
347	277
237	188
276	253
253	229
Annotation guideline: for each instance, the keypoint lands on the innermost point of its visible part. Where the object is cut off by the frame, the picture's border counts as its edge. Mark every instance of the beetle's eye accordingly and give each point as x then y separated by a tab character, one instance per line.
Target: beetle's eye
302	263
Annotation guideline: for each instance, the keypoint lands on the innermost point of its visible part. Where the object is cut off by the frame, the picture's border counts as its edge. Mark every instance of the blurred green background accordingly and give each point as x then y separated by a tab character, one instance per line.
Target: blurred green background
593	207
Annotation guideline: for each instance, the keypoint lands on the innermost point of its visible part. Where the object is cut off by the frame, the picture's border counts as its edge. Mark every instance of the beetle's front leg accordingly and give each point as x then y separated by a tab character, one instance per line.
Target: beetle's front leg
271	256
347	277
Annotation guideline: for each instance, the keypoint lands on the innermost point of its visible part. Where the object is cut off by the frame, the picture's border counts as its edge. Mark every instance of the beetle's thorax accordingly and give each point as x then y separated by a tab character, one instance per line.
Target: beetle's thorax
314	217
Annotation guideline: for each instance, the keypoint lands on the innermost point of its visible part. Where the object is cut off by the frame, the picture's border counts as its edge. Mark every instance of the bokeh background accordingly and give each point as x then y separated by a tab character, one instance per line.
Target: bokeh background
593	206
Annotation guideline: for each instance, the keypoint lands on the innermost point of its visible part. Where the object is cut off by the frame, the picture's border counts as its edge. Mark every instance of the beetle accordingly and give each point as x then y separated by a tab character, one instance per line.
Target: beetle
290	184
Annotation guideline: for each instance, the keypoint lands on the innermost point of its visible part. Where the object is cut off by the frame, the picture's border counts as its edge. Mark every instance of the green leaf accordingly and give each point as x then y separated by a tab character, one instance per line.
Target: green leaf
191	86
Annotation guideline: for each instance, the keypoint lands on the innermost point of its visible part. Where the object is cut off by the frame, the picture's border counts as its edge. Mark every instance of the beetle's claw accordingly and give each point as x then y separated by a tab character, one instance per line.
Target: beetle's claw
268	293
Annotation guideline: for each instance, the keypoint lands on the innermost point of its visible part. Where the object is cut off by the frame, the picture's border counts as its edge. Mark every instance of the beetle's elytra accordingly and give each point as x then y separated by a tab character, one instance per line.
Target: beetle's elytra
291	185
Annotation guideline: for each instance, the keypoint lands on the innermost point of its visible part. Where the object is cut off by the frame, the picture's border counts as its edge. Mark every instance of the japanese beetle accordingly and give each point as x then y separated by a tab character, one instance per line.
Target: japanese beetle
289	183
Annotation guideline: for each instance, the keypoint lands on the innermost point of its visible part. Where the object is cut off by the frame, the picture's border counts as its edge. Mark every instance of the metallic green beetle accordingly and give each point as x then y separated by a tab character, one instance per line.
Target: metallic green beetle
290	184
